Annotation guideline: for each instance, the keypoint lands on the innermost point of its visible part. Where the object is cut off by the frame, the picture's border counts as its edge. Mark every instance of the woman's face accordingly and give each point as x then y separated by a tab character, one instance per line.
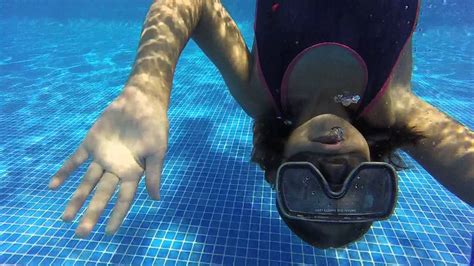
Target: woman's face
335	161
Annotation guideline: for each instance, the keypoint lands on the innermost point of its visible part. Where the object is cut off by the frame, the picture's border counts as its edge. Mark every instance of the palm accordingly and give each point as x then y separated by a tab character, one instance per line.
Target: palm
128	139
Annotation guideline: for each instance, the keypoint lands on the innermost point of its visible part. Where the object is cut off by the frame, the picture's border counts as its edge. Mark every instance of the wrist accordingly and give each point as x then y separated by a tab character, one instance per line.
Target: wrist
151	88
137	95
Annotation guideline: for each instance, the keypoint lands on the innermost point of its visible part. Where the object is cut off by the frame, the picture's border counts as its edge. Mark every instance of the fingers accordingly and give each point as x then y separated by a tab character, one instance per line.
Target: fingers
79	157
94	172
125	199
153	168
105	190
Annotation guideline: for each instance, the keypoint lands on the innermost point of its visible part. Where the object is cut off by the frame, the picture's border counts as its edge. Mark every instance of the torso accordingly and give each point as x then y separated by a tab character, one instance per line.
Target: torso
382	114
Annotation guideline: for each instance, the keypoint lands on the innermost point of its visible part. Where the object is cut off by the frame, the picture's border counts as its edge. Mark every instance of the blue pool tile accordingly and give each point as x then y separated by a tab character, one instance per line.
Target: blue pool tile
402	260
159	261
378	257
137	261
47	261
365	256
228	260
10	259
106	257
183	255
240	261
446	256
170	263
194	256
206	258
252	253
462	259
390	259
217	259
117	258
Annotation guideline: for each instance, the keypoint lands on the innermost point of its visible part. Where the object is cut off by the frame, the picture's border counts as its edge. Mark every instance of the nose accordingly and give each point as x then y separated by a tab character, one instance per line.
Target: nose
335	168
335	174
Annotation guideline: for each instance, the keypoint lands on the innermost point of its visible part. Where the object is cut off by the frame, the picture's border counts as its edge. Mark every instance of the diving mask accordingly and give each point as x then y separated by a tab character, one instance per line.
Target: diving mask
368	193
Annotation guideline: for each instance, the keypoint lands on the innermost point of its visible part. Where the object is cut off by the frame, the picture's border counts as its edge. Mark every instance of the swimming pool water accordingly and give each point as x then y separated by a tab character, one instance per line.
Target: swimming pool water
57	76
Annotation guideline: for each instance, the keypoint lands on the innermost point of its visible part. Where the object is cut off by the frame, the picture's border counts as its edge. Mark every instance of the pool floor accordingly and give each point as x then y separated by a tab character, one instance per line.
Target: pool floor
57	77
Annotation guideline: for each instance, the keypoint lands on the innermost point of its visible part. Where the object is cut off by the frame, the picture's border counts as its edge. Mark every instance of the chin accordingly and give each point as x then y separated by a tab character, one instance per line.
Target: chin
316	135
327	235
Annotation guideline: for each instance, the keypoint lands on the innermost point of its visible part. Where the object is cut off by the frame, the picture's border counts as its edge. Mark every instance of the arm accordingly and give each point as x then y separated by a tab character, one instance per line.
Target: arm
167	29
131	135
447	152
169	26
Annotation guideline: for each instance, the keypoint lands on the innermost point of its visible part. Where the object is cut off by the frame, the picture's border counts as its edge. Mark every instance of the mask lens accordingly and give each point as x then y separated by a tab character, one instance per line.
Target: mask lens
302	191
368	194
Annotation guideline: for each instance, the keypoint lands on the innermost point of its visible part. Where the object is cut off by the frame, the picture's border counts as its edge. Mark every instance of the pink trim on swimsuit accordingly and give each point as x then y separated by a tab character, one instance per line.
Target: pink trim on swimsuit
284	85
260	72
264	81
379	95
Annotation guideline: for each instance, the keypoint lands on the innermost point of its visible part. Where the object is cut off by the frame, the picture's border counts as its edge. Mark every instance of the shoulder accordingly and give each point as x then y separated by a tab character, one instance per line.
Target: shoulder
390	108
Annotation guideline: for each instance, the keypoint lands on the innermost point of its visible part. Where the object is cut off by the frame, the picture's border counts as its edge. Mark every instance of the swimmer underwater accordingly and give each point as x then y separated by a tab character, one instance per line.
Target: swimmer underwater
328	84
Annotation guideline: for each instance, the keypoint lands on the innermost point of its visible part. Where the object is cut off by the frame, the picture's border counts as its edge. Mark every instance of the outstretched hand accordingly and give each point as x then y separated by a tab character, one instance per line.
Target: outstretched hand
130	138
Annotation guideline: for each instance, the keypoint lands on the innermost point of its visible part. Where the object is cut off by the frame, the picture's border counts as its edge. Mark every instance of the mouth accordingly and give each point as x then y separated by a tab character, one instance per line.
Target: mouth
334	136
328	139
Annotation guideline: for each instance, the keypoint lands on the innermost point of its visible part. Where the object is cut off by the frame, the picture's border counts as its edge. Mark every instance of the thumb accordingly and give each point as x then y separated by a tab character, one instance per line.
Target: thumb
153	168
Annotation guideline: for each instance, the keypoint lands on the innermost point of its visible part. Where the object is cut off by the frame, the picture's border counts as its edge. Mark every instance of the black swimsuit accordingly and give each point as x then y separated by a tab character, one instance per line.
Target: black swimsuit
377	30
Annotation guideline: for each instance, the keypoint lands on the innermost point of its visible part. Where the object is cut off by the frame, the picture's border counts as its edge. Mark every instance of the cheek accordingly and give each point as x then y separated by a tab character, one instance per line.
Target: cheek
363	147
294	145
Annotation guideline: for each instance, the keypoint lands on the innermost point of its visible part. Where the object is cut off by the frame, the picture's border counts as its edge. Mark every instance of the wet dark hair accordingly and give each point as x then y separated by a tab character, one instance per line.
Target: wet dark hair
271	134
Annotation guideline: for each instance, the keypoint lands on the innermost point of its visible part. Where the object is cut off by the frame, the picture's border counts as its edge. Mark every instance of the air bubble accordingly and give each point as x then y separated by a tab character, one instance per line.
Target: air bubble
313	193
305	181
